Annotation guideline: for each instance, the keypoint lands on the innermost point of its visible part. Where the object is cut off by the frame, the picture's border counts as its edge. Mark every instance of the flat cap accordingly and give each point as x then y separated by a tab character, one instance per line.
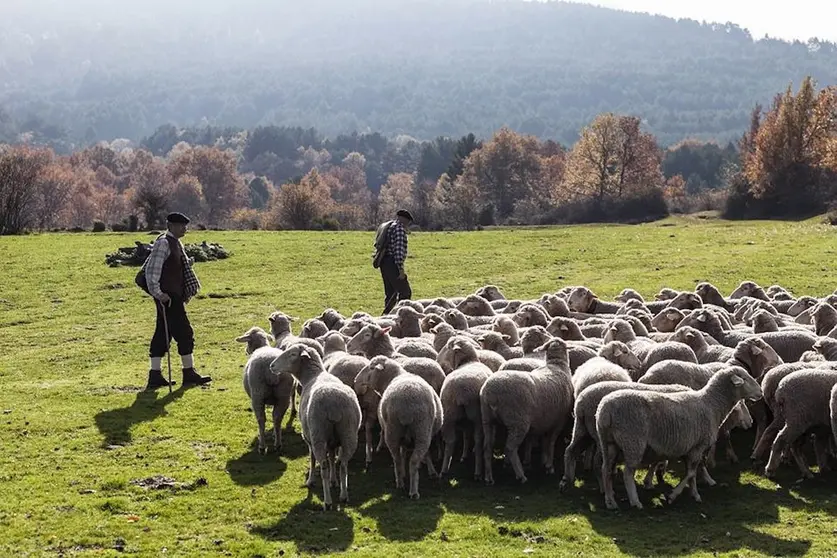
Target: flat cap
404	213
177	218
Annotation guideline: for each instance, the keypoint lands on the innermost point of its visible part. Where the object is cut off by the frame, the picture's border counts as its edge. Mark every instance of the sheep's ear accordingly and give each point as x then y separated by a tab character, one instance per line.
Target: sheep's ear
457	346
614	329
271	318
756	350
385	330
434	329
304	354
506	337
737	380
243	338
701	318
564	327
379	366
690	335
617	351
672	315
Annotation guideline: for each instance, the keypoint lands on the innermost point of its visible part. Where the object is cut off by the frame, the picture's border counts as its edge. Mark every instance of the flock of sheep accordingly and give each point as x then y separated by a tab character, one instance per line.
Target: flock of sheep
627	382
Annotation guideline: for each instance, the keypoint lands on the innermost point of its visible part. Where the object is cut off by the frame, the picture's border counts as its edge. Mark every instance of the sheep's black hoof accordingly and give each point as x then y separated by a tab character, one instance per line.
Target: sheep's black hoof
563	486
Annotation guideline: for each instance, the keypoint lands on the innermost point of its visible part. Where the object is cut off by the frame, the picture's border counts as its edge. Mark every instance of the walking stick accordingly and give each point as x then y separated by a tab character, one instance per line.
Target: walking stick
168	340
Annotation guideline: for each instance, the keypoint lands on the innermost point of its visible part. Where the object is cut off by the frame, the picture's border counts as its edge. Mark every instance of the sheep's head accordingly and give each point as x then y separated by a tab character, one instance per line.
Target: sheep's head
557	354
441	302
565	328
827	347
701	320
554	305
822	311
667	320
365	379
688	336
748	288
407	314
581	299
457	351
352	326
490	292
529	315
429	321
493	341
255	337
619	330
512	306
332	318
629	294
297	361
774	290
506	326
757	356
619	353
764	321
456	318
631	304
475	305
739	380
313	328
686	301
442	328
534	337
710	294
366	338
334	341
666	294
280	323
643	317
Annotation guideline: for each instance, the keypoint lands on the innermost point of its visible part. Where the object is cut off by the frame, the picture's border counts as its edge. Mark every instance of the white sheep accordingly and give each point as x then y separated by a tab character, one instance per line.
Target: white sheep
614	362
329	415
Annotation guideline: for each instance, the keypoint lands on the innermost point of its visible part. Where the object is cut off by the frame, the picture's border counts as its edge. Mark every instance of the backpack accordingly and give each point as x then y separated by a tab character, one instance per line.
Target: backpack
140	278
380	243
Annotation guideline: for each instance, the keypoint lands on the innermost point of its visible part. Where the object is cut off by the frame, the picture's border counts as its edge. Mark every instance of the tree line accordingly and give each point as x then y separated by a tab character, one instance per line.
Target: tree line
293	178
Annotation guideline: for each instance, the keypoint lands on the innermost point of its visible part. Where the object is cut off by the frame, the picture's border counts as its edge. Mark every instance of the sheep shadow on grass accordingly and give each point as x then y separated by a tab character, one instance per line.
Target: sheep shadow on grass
726	521
115	424
313	530
254	469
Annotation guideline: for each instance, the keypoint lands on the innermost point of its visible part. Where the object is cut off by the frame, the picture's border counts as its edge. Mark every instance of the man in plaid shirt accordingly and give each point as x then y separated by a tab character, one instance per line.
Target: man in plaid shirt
172	283
396	286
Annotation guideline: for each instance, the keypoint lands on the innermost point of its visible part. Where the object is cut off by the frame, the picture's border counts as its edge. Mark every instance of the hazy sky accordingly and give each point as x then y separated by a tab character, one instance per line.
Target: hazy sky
804	19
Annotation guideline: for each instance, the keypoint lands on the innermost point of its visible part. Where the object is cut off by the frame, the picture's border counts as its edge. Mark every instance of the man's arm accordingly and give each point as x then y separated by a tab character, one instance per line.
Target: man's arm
399	246
154	268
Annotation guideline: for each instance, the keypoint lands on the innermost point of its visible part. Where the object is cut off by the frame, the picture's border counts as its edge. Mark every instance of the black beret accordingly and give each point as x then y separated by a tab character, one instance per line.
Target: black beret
177	218
404	213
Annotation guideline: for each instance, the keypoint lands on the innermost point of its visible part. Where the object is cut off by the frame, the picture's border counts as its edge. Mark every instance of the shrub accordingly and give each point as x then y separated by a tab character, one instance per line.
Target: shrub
99	226
133	223
119	227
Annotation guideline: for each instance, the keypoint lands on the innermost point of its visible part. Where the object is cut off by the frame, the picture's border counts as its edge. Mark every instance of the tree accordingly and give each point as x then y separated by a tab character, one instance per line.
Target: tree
20	170
151	189
297	206
216	170
464	147
54	186
612	159
457	204
187	197
396	193
436	157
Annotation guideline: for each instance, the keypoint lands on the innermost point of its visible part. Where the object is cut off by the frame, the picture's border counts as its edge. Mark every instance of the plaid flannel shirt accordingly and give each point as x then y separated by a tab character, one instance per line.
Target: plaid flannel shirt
397	244
154	268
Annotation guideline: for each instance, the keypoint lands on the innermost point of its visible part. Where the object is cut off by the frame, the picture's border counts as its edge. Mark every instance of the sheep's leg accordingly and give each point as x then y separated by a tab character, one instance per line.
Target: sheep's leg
332	466
630	485
465	446
648	480
799	459
577	444
783	440
290	423
608	460
394	444
516	436
767	438
449	437
261	419
431	470
478	442
732	457
704	475
691	470
321	456
419	455
549	451
758	410
313	466
489	431
821	452
369	432
598	463
344	478
278	412
588	461
528	444
710	457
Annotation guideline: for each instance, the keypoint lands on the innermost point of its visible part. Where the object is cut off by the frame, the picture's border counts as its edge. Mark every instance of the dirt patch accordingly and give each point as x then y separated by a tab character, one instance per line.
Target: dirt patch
160	482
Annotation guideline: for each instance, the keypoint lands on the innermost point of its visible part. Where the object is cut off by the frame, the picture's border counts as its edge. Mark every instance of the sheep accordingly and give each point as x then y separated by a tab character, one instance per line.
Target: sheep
704	352
265	388
508	328
833	411
667	350
372	341
801	304
764	321
414	304
280	328
410	414
493	341
412	347
644	318
475	305
632	304
621	330
686	301
802	402
628	294
665	294
329	416
460	397
749	288
673	425
409	321
667	320
582	299
431	320
332	318
535	403
313	328
534	337
710	294
554	305
584	426
568	330
456	318
339	362
578	354
444	333
490	293
529	315
824	317
613	362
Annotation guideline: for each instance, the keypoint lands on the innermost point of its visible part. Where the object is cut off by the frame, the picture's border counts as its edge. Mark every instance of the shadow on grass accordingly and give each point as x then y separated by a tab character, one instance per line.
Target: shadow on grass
115	424
313	530
254	469
401	519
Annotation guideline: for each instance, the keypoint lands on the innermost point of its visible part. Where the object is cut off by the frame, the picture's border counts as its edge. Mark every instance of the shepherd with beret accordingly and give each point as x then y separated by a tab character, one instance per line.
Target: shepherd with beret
390	253
172	283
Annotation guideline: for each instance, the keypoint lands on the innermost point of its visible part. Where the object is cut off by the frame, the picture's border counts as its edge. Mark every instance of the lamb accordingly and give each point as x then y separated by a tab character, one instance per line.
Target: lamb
329	416
582	299
505	326
667	320
751	289
456	318
824	317
372	341
529	315
266	388
584	427
460	397
613	363
536	403
705	352
802	402
313	328
498	343
673	425
332	319
628	294
710	294
410	414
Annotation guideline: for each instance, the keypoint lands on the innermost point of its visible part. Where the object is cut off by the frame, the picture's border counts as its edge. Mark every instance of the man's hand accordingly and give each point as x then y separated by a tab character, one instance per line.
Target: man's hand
164	298
402	275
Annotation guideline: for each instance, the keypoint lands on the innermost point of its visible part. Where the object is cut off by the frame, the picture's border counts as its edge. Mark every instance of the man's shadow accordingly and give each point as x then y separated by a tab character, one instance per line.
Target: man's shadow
115	424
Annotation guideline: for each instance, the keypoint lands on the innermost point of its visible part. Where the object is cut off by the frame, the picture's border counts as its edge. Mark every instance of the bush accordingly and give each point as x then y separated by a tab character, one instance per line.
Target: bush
119	227
325	224
245	219
636	209
133	223
76	229
99	226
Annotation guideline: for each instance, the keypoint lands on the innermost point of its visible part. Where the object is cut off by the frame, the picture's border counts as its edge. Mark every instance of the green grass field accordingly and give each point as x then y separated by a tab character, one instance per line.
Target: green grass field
76	430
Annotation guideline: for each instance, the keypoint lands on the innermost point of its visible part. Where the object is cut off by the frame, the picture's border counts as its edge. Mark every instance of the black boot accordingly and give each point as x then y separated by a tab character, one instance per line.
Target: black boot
193	378
156	380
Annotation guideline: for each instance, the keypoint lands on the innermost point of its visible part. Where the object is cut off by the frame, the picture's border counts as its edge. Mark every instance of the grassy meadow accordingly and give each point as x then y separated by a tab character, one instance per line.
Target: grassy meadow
76	430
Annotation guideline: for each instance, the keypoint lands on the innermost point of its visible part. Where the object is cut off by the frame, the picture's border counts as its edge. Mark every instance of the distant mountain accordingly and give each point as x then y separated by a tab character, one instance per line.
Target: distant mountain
102	69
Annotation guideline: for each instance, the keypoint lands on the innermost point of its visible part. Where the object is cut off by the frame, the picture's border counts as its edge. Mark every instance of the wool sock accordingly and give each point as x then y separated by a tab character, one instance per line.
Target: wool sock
187	361
156	363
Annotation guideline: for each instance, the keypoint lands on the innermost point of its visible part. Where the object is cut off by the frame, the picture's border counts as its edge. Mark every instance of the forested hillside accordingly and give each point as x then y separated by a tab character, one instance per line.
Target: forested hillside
72	73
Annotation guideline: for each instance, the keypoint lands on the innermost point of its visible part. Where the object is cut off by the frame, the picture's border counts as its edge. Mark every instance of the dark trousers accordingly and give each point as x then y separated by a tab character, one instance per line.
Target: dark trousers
395	289
179	328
